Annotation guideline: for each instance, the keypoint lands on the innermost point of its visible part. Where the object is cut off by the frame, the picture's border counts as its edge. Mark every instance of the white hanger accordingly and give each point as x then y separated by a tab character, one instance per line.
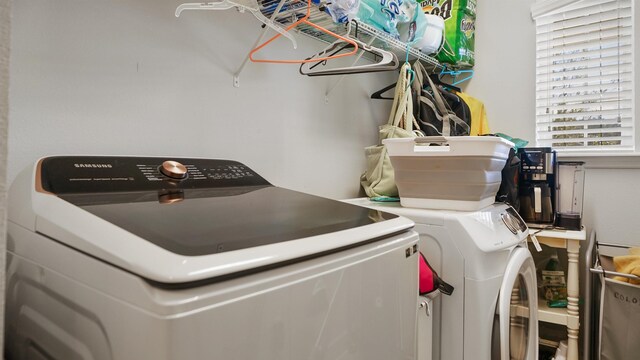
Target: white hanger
242	5
388	60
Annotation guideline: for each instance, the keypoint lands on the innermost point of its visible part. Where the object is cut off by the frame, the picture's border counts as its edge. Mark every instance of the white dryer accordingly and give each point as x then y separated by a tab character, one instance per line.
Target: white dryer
492	313
143	258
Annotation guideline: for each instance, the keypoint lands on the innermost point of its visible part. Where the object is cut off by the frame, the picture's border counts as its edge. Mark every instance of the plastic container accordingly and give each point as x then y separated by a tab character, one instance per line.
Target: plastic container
554	283
561	353
433	35
449	173
570	194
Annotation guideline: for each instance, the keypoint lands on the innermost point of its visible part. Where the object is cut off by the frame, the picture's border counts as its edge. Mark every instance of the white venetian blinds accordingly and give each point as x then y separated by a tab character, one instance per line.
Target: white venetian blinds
584	76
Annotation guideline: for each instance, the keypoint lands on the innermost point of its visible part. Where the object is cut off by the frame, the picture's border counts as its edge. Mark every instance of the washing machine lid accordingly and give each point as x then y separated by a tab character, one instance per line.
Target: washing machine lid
191	219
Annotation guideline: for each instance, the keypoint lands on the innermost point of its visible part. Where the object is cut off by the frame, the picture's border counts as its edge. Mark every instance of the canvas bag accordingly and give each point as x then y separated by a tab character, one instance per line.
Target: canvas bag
433	111
378	179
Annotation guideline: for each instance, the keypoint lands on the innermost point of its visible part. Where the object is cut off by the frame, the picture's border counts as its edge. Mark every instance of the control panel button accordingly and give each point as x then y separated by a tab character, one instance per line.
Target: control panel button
173	169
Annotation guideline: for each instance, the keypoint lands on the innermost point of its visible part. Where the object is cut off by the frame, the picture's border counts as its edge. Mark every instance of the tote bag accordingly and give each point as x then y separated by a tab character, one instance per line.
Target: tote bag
378	180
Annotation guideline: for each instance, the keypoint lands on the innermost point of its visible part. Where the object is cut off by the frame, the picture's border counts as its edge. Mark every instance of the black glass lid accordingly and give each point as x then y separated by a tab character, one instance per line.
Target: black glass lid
218	206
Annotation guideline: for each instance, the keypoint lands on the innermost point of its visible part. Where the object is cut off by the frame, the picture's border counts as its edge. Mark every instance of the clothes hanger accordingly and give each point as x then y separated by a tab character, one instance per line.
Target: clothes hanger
303	20
455	73
378	94
437	81
242	5
388	60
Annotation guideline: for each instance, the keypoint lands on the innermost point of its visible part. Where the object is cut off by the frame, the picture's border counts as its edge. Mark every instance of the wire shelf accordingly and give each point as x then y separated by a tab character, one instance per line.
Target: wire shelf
293	10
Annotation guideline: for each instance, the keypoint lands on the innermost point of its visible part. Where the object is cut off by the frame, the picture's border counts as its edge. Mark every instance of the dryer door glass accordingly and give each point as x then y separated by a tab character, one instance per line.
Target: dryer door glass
516	326
519	320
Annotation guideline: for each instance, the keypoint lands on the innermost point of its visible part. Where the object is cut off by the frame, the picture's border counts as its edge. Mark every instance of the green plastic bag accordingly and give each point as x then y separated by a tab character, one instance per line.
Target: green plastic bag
459	30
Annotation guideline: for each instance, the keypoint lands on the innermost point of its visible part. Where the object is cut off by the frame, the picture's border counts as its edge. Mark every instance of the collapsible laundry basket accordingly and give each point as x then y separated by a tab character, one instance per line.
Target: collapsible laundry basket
619	311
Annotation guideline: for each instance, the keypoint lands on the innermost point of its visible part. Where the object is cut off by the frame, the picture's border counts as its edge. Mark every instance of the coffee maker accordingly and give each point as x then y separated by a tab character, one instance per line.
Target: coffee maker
537	185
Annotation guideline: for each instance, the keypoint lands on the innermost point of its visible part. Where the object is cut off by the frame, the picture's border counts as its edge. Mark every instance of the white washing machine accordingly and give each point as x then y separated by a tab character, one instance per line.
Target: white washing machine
142	258
492	313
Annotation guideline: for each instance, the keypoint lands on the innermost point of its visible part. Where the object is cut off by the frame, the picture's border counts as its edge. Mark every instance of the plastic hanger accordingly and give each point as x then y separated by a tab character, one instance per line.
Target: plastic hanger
454	75
304	20
242	5
388	61
378	94
437	81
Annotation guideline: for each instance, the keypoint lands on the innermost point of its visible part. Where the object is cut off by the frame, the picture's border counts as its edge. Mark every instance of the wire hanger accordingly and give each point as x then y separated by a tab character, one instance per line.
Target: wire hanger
304	20
388	60
242	5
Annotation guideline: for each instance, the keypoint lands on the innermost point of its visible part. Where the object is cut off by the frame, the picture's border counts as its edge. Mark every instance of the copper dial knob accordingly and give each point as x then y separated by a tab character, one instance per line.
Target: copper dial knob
173	169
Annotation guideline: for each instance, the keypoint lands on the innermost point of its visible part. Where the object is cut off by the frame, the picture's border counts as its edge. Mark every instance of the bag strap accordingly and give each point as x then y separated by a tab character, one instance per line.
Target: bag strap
402	109
399	92
448	115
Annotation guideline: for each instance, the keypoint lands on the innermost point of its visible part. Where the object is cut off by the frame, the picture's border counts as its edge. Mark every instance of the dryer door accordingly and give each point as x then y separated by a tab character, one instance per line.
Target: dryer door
517	309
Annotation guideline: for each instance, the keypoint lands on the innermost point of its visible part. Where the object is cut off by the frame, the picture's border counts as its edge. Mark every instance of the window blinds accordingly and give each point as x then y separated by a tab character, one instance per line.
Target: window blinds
584	77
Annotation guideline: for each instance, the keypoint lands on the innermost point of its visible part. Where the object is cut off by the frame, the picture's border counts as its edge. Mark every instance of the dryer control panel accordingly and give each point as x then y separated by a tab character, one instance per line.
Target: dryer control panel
100	174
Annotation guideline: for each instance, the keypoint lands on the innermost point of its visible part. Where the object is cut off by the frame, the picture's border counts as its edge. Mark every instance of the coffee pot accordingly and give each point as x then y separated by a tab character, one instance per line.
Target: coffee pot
537	185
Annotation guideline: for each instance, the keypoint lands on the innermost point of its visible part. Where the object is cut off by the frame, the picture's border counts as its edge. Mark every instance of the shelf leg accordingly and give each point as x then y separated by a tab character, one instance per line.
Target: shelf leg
236	76
573	248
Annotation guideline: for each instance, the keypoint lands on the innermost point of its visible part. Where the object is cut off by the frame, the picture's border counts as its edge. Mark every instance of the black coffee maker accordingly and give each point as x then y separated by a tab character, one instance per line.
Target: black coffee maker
537	185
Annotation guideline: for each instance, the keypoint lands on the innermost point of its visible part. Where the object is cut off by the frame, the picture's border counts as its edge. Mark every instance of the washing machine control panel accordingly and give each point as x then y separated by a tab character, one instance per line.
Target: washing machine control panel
97	174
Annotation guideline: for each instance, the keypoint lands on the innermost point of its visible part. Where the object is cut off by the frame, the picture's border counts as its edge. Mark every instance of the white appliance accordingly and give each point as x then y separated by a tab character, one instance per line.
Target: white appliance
492	313
143	258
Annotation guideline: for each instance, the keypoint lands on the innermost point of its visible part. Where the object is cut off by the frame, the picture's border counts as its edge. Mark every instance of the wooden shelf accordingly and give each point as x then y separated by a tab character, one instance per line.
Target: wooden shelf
560	234
551	315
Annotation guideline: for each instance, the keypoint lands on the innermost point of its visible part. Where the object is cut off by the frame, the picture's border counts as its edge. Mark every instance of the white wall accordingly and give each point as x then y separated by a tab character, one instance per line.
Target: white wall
127	77
504	77
5	23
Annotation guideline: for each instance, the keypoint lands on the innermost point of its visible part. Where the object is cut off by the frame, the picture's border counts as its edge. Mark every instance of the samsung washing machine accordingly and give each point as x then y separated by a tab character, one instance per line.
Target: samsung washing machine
146	258
492	312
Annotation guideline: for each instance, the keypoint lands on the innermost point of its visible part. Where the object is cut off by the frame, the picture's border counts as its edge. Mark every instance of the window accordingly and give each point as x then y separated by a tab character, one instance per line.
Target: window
584	77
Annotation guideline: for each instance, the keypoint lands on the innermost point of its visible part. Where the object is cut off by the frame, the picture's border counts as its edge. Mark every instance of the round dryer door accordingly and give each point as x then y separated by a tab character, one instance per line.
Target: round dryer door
516	332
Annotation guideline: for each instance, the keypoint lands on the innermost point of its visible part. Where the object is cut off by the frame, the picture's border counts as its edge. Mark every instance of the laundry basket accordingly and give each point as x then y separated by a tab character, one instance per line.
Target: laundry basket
619	311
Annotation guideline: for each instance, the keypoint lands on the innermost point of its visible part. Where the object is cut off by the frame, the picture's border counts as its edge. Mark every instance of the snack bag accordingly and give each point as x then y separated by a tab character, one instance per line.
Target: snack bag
383	14
460	25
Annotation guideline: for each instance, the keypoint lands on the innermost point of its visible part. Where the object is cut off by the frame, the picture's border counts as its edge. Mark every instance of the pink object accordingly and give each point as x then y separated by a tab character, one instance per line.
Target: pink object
429	281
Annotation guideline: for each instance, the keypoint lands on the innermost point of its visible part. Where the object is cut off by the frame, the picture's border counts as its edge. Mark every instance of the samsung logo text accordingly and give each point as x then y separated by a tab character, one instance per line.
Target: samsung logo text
95	166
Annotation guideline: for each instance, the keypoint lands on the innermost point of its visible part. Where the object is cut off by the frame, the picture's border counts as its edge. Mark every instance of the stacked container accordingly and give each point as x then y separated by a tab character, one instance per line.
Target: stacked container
449	173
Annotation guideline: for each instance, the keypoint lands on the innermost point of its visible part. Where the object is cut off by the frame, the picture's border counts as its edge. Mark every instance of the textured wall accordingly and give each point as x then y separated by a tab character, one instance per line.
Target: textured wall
4	111
505	66
128	77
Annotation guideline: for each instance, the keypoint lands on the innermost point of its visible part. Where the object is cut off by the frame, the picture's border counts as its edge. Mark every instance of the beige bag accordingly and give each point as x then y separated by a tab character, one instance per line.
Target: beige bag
378	180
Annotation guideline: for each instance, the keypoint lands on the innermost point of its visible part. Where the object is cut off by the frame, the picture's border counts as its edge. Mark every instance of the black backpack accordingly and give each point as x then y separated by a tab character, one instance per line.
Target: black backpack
438	111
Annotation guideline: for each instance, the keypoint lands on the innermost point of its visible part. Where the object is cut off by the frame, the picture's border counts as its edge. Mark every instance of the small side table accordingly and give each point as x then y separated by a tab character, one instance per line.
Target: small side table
569	317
